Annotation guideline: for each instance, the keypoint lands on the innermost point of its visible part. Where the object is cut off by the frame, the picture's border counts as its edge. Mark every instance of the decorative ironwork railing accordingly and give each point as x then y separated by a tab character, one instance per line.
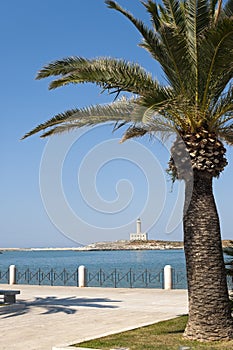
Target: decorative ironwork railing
4	276
179	279
49	277
129	279
101	278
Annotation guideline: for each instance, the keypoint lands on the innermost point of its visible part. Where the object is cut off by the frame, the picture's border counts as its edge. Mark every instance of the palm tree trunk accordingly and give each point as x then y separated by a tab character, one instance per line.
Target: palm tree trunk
209	307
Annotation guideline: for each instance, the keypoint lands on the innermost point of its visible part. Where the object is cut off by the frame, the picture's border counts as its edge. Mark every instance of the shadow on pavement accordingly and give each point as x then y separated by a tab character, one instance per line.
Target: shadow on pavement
52	304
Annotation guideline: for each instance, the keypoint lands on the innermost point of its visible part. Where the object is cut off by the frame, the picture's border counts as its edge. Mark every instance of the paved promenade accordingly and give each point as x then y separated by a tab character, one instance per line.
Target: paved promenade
44	317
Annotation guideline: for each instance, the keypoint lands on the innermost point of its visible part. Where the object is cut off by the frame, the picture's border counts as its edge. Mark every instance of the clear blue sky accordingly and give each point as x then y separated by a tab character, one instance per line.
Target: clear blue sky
44	201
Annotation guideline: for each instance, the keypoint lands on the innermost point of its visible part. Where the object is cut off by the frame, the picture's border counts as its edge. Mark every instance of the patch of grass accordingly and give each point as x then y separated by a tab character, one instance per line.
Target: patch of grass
166	335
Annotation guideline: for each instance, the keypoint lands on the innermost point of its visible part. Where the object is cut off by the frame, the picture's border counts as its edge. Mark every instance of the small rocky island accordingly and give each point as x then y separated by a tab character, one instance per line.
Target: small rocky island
137	245
133	245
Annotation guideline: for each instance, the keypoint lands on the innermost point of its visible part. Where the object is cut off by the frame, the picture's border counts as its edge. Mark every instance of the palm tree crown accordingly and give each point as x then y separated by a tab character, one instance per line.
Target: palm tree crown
193	42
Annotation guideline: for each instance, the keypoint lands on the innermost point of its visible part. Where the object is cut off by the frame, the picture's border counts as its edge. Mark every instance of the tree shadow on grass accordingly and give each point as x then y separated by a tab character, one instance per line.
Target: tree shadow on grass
53	304
178	331
174	326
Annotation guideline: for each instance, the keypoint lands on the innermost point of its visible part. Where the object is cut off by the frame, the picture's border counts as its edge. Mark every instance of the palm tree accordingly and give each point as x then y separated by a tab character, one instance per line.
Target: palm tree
193	43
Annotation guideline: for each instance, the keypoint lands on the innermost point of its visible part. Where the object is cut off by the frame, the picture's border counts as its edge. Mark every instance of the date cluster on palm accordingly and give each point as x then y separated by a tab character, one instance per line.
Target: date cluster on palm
201	150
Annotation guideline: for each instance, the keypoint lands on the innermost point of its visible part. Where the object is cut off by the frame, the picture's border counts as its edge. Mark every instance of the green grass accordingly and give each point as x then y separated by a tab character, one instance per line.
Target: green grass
166	335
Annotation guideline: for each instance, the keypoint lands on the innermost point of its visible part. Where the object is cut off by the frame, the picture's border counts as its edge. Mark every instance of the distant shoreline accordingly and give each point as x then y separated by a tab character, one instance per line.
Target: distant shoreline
117	245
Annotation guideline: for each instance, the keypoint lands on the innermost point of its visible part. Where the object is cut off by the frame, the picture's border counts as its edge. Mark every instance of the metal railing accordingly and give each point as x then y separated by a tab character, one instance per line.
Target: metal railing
101	278
50	277
4	276
179	279
129	279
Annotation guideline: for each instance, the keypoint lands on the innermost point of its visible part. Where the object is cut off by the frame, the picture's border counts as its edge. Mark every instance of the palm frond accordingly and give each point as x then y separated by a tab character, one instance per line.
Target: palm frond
157	98
215	55
226	133
177	65
155	125
157	48
116	75
152	41
62	67
57	119
161	124
123	110
108	73
111	74
174	14
228	8
212	5
197	20
132	132
152	9
222	110
173	59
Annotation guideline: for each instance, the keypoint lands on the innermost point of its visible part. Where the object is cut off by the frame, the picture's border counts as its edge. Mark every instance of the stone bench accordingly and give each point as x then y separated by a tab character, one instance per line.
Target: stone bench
9	295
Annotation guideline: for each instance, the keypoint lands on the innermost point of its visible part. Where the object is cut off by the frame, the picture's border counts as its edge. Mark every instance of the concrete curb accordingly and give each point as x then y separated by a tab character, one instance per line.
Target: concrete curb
68	346
74	348
71	348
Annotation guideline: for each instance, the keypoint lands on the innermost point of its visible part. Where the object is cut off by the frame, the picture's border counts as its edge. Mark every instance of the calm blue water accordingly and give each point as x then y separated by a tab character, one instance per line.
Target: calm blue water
122	260
105	268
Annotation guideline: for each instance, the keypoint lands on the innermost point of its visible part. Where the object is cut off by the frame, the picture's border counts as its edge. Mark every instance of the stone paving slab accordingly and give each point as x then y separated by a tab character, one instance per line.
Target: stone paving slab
48	317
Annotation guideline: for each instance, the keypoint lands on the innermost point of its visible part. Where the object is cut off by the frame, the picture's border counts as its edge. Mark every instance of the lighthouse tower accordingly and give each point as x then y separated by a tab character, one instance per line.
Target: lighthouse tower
138	236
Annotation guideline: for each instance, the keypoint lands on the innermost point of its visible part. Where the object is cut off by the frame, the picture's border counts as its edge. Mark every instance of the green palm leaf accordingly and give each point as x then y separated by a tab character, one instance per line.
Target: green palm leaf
153	44
108	73
223	109
121	110
166	46
61	67
174	14
228	8
226	134
216	51
152	9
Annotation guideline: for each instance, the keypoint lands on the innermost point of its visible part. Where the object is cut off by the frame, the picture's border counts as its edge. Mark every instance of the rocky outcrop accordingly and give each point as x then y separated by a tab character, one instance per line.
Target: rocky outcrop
137	245
133	245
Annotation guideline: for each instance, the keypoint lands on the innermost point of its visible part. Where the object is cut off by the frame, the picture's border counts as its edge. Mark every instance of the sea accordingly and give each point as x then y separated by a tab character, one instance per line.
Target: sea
140	268
133	269
71	259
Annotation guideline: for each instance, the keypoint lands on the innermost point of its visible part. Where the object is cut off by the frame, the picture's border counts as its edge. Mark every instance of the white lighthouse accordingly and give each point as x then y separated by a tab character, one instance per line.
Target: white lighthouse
138	236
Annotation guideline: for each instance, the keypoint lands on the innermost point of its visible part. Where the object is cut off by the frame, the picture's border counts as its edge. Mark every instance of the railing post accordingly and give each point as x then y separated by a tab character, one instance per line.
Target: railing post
82	276
12	274
168	281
